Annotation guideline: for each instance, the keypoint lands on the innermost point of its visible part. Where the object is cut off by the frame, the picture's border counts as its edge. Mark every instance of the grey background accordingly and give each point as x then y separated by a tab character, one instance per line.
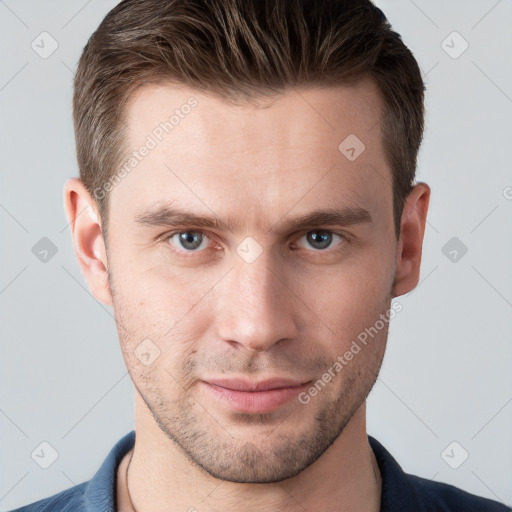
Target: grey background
447	371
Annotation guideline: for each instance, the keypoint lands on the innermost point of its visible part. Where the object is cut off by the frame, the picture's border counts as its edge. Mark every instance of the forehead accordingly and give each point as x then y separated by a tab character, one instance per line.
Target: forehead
299	147
303	116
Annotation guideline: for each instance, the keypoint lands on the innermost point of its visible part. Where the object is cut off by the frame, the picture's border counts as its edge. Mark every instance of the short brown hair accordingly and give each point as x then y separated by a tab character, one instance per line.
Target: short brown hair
243	49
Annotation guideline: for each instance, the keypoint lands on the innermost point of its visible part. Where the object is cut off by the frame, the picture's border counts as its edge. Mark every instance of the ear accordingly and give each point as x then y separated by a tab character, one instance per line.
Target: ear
85	224
412	229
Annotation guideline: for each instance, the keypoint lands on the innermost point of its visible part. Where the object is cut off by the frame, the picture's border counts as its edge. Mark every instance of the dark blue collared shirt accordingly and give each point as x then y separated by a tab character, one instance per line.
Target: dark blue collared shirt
401	492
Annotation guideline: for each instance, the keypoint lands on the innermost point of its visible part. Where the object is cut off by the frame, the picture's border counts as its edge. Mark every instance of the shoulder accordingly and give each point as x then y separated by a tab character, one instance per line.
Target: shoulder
69	500
402	491
442	497
98	493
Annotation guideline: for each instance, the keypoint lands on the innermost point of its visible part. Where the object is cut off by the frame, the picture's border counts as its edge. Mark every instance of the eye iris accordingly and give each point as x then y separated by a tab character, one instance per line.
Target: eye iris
190	240
188	237
325	238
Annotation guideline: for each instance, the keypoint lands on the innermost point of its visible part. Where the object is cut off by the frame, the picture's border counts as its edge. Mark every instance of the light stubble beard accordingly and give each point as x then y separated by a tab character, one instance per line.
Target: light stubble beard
283	453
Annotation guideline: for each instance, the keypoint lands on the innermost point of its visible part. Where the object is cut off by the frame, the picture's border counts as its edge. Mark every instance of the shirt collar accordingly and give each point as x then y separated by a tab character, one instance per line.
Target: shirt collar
100	492
396	493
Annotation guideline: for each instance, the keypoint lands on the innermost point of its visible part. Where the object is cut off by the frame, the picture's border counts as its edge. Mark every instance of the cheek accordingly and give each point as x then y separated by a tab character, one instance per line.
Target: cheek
158	294
162	341
172	311
351	301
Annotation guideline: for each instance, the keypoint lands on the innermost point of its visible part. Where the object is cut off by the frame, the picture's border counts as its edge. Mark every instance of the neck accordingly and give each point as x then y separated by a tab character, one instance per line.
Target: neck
160	477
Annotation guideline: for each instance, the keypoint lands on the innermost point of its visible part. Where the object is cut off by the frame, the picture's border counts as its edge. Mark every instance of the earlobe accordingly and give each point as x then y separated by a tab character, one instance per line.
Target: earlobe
85	225
414	217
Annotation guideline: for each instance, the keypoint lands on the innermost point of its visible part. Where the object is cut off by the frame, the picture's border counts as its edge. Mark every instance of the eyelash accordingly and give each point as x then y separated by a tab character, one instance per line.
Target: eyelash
187	254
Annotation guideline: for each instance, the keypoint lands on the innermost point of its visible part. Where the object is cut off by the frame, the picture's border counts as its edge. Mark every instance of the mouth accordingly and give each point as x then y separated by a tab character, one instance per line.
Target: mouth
254	397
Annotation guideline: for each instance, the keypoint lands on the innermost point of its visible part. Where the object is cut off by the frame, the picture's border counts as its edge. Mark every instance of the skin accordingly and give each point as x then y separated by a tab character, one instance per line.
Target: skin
289	313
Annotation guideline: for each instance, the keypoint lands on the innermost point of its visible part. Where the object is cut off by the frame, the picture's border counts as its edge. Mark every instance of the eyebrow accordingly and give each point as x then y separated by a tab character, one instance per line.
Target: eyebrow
166	215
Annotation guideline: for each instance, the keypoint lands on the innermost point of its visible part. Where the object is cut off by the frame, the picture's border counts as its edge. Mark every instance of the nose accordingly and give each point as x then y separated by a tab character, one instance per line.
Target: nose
256	306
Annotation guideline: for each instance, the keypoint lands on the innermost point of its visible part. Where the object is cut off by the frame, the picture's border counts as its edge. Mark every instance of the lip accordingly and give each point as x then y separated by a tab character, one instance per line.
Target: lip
255	397
262	385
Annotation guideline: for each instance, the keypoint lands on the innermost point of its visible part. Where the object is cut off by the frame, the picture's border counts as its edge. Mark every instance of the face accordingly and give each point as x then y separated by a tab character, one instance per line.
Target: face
263	292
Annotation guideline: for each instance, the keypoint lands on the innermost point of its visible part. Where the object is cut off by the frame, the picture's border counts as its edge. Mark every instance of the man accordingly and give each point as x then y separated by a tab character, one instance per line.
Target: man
247	206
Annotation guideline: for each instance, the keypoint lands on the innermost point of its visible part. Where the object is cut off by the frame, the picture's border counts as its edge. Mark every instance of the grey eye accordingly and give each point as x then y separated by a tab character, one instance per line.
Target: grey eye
189	240
320	239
